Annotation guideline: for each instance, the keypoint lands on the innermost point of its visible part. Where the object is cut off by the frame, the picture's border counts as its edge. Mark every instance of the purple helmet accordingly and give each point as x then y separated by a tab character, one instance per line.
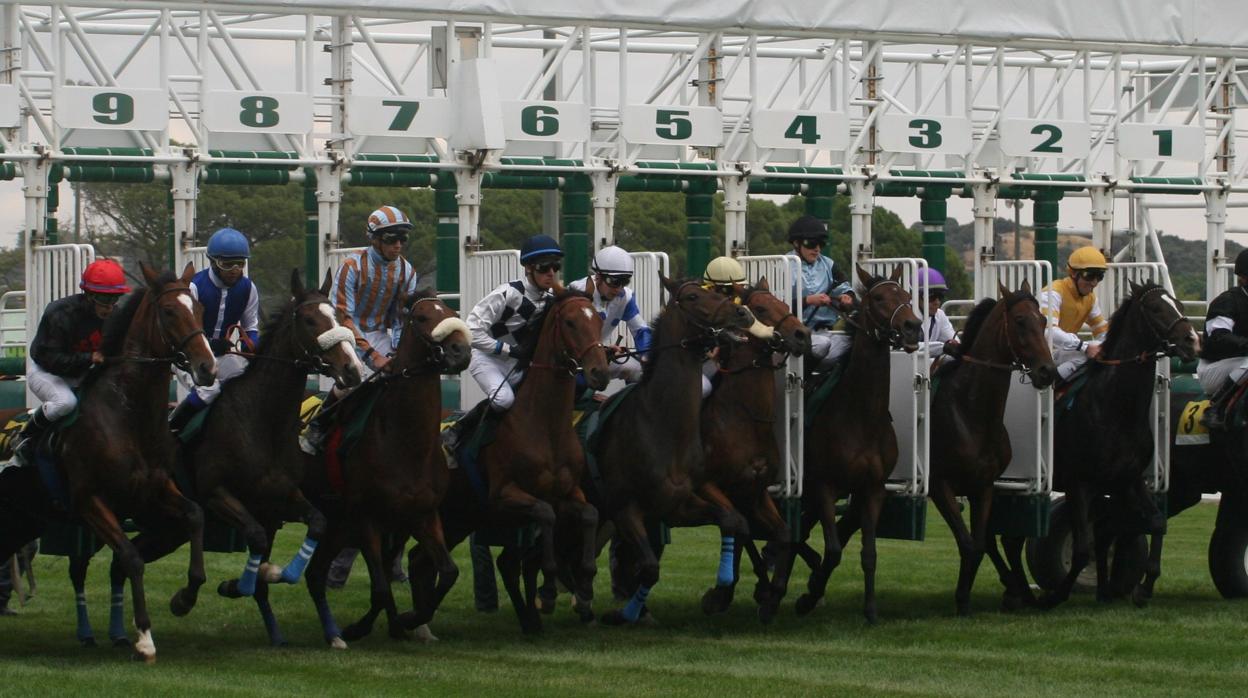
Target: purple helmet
934	278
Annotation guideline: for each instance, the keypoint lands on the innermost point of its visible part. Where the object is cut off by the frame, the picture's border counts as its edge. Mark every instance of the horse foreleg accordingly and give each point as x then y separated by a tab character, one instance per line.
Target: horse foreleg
511	500
78	565
104	523
1018	590
872	505
428	590
769	595
316	576
630	529
1077	499
714	505
817	585
511	568
1157	534
947	504
587	519
981	511
315	520
380	596
233	513
262	599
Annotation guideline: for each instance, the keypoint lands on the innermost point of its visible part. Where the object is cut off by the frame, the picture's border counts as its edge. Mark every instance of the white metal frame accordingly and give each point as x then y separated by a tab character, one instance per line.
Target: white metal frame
53	272
486	272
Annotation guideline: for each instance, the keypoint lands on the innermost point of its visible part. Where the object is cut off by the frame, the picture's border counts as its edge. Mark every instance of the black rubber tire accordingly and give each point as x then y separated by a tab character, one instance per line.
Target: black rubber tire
1228	561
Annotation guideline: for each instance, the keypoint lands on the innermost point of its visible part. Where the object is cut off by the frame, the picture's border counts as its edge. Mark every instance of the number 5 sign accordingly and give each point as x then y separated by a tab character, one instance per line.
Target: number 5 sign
111	108
672	125
242	111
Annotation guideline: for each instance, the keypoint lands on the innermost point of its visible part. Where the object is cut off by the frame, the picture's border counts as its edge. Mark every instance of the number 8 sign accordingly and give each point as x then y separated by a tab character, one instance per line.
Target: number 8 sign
253	111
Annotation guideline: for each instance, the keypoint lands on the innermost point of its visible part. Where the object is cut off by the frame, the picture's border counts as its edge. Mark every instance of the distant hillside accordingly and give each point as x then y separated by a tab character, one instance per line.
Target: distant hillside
1184	258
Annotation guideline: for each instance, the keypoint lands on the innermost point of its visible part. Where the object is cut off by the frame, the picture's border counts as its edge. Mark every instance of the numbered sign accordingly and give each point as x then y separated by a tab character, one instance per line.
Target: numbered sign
241	111
672	125
10	109
545	121
801	129
423	117
1044	138
112	108
924	133
1161	142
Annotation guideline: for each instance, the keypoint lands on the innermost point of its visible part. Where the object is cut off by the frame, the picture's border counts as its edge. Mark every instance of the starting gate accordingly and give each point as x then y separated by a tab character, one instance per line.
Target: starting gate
484	272
55	273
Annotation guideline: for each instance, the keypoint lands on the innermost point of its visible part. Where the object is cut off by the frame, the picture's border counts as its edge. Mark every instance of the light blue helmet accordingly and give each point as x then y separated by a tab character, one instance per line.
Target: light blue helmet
228	243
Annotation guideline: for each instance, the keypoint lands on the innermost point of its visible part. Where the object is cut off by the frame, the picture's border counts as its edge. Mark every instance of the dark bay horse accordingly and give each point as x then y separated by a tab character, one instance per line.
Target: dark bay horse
393	479
649	451
1103	442
245	461
533	466
116	457
742	454
851	447
970	447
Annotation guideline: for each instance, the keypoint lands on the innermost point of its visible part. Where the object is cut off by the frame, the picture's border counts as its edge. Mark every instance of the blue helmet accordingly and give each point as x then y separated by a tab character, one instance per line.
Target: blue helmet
539	246
228	243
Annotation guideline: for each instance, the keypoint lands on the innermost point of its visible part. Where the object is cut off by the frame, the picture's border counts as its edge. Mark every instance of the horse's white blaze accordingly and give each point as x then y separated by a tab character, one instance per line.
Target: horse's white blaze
328	311
144	645
447	327
185	299
588	313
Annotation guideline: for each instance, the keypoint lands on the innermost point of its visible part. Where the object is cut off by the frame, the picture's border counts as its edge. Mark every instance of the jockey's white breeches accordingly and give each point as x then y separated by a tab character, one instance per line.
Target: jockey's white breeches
55	392
493	372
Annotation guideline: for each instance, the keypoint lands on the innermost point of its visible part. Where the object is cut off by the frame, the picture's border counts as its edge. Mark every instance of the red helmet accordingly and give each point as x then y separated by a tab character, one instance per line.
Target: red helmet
104	276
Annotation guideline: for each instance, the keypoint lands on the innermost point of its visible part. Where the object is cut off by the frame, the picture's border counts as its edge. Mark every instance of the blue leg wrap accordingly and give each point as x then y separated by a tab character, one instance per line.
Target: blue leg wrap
633	610
727	548
84	621
270	623
193	398
117	614
328	625
292	572
247	582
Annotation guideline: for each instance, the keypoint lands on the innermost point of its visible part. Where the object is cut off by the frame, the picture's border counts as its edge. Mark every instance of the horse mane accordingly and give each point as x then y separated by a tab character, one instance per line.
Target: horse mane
113	335
656	338
975	321
1118	321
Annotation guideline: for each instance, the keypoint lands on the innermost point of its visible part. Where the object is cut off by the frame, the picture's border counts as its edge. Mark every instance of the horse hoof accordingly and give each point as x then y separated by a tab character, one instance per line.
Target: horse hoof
180	605
1140	597
337	643
270	573
354	632
1011	603
145	648
122	642
547	606
229	589
397	632
1048	602
87	641
716	600
424	635
531	625
614	618
872	616
805	604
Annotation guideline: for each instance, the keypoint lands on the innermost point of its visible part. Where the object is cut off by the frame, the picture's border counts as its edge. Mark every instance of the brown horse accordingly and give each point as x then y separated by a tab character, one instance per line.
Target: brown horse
970	445
115	458
394	477
649	451
532	468
851	447
743	456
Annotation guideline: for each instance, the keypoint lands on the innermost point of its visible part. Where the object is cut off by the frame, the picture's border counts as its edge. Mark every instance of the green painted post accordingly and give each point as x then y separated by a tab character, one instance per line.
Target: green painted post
311	230
171	236
54	201
699	210
446	207
576	216
820	194
1045	215
933	209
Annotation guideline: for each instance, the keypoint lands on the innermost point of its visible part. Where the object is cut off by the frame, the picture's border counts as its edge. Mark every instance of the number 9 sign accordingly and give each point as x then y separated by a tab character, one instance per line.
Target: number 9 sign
111	108
254	111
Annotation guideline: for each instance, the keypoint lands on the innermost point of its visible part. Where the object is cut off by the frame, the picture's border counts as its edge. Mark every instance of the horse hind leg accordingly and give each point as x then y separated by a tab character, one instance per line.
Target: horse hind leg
943	497
631	528
1017	590
511	564
380	597
873	504
78	565
1081	540
105	525
316	575
817	585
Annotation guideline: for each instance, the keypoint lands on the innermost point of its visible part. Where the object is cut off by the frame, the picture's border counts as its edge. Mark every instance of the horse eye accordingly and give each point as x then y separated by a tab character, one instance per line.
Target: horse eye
422	318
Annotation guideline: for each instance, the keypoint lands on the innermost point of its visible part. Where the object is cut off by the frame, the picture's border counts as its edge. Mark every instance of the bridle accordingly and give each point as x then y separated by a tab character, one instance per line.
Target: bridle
707	336
572	360
1016	362
883	331
1164	347
176	348
435	354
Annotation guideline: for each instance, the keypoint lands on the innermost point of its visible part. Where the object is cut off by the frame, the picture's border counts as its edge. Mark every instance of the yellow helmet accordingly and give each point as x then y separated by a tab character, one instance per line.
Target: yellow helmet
724	271
1087	258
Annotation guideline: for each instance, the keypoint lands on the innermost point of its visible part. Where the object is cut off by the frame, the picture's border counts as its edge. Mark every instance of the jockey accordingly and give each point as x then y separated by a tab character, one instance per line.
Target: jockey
937	331
500	323
1224	360
612	272
1069	304
66	346
826	292
230	300
725	276
367	289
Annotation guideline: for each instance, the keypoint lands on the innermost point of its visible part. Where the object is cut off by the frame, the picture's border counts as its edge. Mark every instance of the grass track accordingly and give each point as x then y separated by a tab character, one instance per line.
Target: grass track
1188	642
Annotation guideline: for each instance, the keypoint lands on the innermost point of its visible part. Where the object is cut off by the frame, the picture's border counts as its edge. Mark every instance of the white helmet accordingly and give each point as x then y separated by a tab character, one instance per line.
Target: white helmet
612	261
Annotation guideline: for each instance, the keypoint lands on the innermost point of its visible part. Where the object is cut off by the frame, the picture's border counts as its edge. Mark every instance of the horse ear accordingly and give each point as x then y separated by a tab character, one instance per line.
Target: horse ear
149	274
1135	288
863	276
669	284
328	283
1002	291
896	275
188	272
296	283
762	284
1026	288
557	288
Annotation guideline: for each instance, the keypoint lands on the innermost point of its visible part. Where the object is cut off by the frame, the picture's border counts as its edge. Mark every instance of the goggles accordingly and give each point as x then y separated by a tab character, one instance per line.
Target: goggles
1092	274
616	281
546	267
812	243
391	238
109	299
229	264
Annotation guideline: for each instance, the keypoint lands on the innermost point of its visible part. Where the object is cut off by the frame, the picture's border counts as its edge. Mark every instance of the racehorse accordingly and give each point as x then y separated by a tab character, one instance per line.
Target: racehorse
245	462
393	478
649	450
862	451
530	472
115	457
743	457
1103	438
970	447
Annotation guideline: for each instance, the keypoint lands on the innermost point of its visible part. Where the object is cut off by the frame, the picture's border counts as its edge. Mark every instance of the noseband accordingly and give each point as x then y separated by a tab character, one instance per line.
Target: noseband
883	331
568	360
435	356
176	347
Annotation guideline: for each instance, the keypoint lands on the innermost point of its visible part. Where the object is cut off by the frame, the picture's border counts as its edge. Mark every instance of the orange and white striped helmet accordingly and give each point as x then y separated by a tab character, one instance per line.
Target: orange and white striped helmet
387	219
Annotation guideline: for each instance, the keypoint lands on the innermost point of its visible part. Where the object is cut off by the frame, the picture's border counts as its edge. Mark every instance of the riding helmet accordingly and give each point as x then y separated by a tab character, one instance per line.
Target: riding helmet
228	243
388	219
539	246
935	280
104	276
1241	263
1087	257
808	228
612	261
724	271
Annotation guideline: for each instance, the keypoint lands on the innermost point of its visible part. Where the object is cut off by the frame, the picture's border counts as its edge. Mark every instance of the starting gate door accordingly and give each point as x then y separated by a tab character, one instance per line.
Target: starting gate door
195	255
484	272
1119	288
784	274
1028	412
909	382
55	273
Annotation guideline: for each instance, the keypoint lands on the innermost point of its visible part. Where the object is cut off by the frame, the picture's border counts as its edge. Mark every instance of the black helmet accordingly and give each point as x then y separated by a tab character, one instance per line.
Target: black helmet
808	228
1241	263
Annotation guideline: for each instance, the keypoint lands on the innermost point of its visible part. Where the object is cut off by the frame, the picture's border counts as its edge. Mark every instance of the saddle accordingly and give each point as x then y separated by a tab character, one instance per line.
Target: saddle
341	434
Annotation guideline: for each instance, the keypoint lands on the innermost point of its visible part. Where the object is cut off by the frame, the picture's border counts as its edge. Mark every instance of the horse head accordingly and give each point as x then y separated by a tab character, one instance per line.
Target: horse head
433	335
177	331
709	311
1023	330
790	334
886	309
1163	314
576	330
319	333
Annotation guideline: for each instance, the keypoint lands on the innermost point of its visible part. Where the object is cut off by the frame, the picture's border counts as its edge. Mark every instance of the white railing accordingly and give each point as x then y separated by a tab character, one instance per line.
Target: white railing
484	271
56	271
195	255
13	323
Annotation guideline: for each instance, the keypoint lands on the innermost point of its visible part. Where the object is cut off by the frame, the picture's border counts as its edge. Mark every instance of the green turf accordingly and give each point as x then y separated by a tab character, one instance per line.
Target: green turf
1188	642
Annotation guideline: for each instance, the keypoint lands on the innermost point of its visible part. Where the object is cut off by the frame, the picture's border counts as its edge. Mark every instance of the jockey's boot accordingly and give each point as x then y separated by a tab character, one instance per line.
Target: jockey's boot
1214	418
182	414
313	436
453	435
28	438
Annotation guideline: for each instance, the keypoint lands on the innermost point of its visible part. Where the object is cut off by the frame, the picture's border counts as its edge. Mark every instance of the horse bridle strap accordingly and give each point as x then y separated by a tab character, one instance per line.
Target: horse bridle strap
573	363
